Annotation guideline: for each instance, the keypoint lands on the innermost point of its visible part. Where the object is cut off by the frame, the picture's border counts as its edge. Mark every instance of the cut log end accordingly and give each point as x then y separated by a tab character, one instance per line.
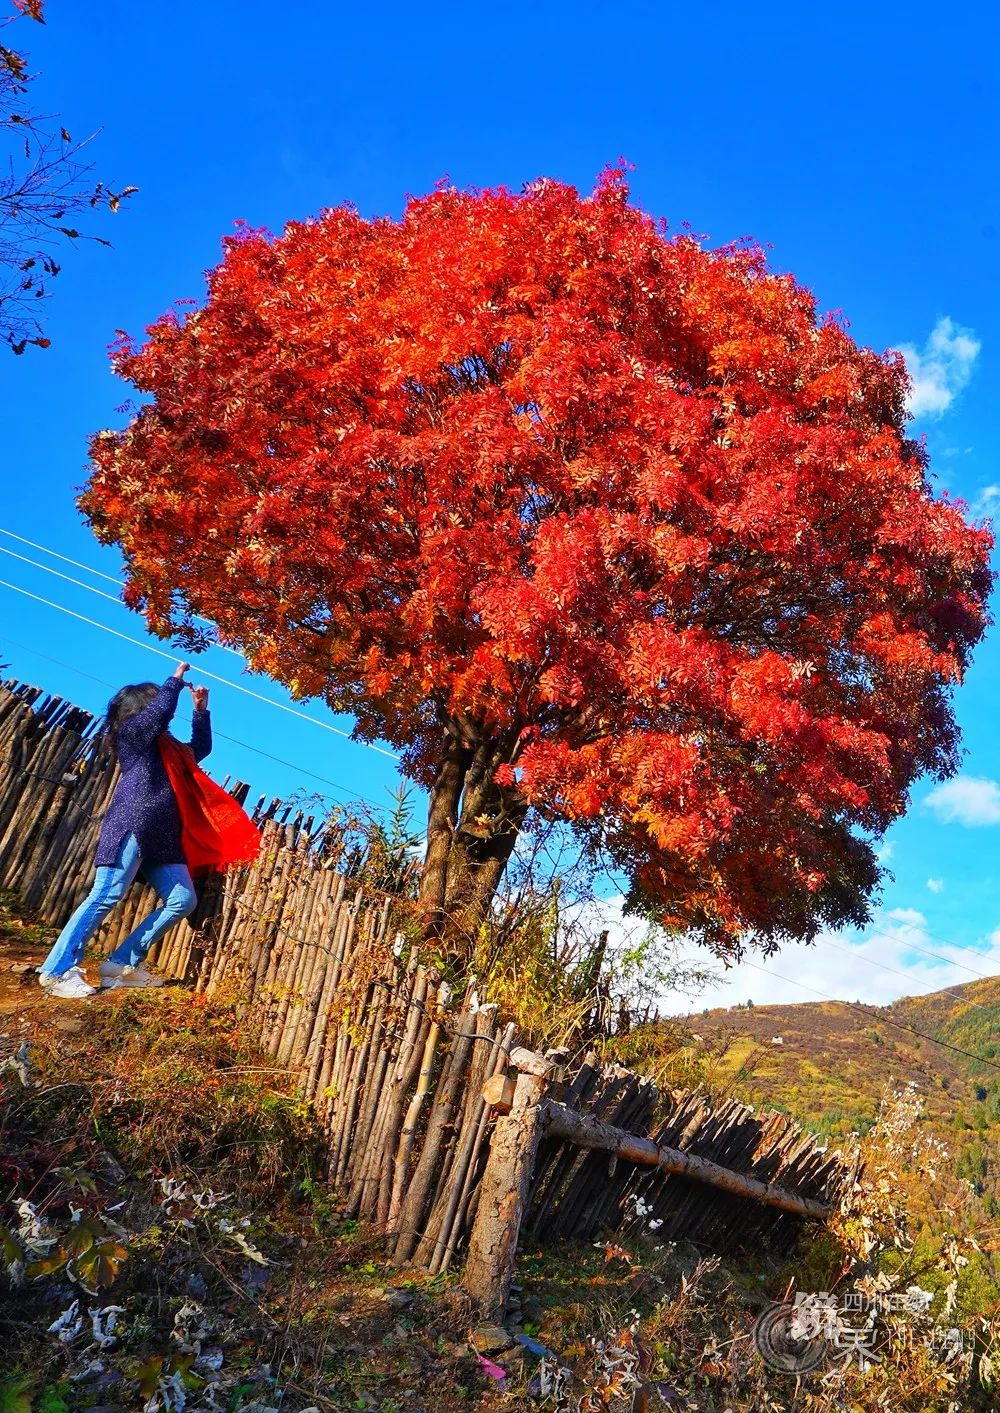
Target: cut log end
498	1093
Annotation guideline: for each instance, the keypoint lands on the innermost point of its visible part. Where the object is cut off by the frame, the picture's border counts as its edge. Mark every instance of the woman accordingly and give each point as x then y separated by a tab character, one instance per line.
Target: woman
167	818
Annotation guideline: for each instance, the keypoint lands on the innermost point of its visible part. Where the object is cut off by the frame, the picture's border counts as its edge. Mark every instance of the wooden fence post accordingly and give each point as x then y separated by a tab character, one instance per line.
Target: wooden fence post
506	1182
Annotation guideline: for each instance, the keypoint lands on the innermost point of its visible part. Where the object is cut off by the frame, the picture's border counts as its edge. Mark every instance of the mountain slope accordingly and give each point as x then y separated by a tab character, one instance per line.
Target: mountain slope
829	1064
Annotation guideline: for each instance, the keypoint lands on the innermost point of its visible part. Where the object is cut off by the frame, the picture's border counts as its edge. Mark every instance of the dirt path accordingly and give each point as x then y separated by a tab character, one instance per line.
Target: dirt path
25	1011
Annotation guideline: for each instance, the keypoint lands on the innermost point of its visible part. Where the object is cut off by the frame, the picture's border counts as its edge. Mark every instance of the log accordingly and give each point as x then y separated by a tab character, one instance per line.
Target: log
450	1185
498	1093
408	1214
503	1194
390	1202
560	1122
469	1192
528	1062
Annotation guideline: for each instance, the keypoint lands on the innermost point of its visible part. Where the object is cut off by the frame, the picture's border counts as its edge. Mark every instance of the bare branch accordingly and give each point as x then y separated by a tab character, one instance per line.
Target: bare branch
45	182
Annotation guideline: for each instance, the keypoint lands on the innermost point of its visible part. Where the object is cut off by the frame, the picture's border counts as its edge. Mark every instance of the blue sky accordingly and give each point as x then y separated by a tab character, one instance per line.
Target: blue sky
858	143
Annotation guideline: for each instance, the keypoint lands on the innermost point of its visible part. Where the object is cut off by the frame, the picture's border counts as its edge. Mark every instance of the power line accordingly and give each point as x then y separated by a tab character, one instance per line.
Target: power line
875	1015
171	657
47	568
234	740
101	681
912	946
89	569
112	598
857	955
64	557
301	770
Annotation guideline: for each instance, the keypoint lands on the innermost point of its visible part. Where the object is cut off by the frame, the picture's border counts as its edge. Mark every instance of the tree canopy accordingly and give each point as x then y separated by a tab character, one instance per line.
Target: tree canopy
585	519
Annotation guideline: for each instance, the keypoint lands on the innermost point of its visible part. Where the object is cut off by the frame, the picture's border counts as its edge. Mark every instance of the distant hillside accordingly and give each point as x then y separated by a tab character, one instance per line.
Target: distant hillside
828	1064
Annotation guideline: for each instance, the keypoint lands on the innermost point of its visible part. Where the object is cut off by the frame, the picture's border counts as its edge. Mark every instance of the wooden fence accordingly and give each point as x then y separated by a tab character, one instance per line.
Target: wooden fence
433	1130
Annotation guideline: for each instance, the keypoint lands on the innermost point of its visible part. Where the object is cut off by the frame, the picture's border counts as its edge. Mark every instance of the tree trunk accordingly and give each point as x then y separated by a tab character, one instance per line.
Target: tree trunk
472	828
442	818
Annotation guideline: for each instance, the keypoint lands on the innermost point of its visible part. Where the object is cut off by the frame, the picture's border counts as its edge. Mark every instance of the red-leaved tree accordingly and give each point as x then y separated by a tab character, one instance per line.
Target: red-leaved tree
583	519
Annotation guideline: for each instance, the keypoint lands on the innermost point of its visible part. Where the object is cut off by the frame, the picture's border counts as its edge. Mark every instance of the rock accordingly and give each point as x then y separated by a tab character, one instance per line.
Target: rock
488	1338
398	1299
536	1389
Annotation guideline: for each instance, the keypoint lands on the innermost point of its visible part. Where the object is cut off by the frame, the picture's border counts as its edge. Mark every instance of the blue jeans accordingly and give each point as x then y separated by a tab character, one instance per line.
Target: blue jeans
171	881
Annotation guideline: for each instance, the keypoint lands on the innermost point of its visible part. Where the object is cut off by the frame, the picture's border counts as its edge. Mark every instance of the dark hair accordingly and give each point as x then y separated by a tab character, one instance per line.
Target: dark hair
128	702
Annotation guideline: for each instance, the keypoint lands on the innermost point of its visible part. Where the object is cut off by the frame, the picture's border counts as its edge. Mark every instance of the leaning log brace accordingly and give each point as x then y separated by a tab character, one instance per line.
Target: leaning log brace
527	1116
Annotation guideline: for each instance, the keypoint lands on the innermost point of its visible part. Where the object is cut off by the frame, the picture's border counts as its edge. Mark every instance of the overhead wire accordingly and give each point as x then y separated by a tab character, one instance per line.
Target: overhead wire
47	568
112	598
203	671
77	564
874	1014
938	956
235	740
857	955
88	569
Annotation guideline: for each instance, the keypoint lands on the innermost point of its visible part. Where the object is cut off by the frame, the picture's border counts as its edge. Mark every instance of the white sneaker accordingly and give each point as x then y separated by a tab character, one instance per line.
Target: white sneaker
70	985
114	976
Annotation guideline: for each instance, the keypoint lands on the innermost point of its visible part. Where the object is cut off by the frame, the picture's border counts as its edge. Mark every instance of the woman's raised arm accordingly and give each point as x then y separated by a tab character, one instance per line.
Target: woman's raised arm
142	730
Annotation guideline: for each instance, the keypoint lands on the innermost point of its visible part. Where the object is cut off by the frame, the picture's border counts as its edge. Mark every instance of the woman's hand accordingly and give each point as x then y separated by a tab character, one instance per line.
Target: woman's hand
181	668
200	695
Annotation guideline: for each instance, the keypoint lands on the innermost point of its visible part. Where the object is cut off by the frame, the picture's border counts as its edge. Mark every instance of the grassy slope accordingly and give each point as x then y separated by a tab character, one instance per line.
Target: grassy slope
836	1061
144	1086
131	1087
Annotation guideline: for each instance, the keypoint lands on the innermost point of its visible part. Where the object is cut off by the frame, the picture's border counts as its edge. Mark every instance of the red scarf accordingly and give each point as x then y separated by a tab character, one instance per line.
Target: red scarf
216	834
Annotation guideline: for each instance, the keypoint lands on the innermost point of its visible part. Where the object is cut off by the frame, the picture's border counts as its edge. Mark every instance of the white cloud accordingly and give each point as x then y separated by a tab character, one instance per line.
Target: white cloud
884	851
895	956
940	370
909	920
936	885
888	961
987	502
968	799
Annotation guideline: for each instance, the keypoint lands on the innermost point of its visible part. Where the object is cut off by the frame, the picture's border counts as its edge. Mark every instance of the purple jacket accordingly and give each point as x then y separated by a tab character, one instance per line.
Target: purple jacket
143	802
